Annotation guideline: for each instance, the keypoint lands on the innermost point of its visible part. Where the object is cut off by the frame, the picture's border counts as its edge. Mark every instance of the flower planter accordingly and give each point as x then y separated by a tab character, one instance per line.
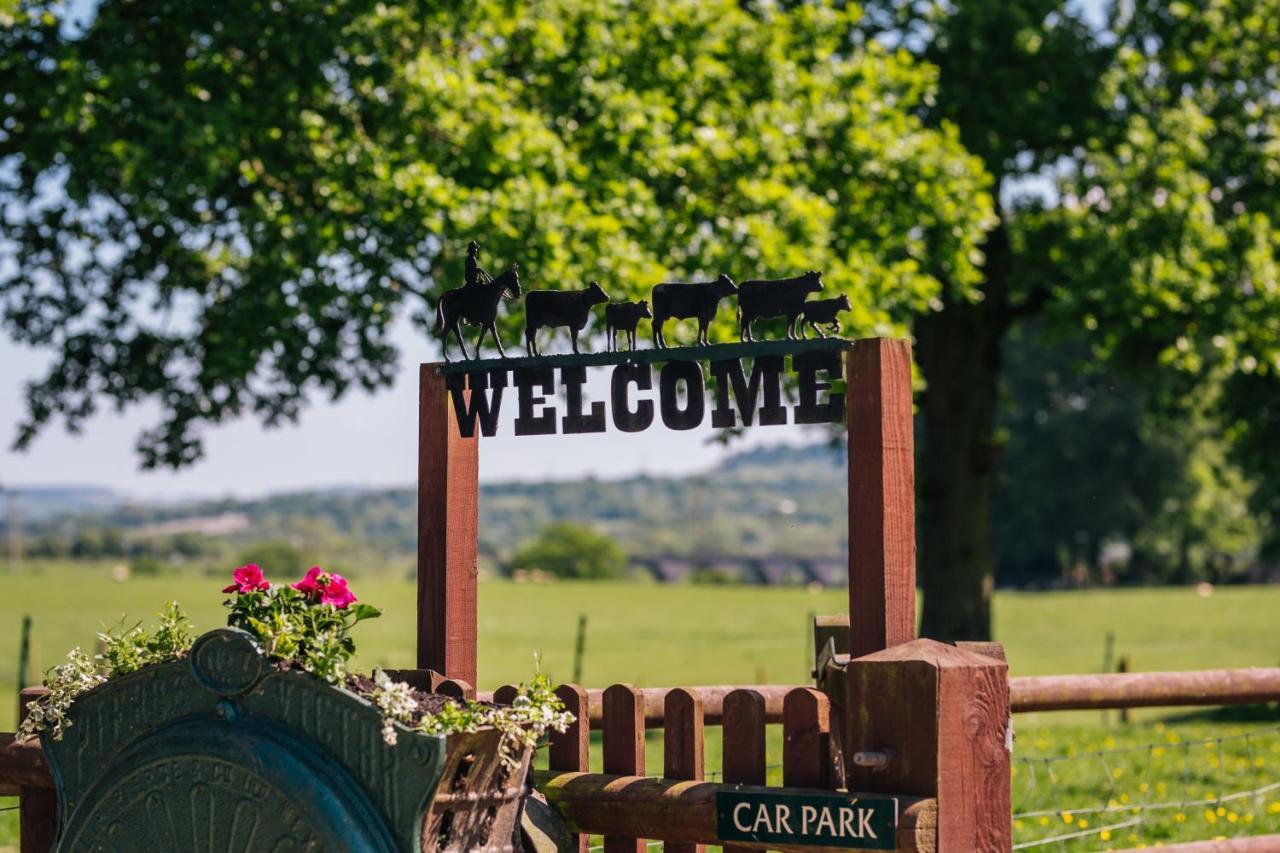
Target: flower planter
225	751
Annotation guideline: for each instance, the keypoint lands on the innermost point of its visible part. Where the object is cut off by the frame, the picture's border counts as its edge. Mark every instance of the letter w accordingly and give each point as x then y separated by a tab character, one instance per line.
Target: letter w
474	403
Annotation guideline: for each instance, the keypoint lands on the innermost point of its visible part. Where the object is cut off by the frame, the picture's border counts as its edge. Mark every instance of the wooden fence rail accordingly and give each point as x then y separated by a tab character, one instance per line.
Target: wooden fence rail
1145	689
1026	693
683	811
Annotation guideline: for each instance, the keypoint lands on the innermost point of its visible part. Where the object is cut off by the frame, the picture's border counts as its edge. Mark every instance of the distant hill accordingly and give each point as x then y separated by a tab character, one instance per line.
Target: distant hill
39	503
767	500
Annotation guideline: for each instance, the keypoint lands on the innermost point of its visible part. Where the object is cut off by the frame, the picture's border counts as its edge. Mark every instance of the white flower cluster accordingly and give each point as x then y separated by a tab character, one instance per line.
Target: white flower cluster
535	710
395	700
65	681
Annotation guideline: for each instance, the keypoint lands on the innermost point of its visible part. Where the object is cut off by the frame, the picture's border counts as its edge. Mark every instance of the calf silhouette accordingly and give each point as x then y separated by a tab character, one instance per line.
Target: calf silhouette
681	301
624	317
553	308
823	312
782	297
476	305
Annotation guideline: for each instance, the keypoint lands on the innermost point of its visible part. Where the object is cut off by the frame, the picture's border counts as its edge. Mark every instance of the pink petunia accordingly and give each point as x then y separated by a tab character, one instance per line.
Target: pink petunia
326	587
247	579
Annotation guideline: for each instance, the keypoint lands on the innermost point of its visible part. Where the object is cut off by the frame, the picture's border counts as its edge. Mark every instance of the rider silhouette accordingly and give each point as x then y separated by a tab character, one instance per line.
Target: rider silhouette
473	274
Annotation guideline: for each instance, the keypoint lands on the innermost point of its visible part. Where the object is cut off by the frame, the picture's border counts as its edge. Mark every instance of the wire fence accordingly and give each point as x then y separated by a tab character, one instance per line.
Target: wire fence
1172	788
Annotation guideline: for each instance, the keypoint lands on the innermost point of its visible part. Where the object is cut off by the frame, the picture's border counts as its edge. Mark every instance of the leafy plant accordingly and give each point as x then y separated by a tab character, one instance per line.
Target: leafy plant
123	651
307	623
535	710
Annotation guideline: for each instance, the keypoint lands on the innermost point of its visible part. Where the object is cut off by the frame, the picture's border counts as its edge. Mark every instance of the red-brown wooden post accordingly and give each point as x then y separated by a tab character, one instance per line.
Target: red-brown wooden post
448	492
882	532
744	743
682	747
806	739
623	748
569	751
37	807
941	716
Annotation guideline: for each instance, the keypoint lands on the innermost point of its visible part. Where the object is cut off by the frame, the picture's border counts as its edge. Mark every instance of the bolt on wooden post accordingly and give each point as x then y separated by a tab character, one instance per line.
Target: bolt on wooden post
941	715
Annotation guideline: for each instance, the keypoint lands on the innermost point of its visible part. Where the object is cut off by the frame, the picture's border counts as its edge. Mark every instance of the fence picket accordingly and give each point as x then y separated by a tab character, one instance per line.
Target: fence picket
569	751
623	748
682	747
744	743
806	739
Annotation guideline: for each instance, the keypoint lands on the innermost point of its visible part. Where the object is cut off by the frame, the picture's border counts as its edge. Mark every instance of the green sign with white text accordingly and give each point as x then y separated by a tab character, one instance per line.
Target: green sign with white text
821	820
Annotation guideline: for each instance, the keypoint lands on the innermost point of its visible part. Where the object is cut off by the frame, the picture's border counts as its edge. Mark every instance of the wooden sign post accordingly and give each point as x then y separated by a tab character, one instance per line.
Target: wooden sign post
448	505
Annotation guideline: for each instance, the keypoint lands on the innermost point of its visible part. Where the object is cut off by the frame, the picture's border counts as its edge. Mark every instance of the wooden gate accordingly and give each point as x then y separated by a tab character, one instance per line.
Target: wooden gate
909	729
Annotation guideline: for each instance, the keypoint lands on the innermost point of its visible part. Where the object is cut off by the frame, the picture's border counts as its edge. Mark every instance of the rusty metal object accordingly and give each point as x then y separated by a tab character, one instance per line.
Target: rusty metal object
477	806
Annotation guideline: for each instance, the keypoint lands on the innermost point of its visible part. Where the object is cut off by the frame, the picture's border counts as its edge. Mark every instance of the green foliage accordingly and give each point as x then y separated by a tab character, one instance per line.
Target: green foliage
569	550
221	208
124	650
297	629
1165	244
1089	462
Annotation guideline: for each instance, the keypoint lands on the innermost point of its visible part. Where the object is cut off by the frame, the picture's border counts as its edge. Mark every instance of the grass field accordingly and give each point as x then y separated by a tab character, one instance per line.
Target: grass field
656	635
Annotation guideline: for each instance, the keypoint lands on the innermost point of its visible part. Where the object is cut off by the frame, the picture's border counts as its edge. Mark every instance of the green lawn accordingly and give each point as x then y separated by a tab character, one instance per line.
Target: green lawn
658	635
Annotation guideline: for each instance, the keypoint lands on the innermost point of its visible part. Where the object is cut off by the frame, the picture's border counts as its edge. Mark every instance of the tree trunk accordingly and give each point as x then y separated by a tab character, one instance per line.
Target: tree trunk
958	350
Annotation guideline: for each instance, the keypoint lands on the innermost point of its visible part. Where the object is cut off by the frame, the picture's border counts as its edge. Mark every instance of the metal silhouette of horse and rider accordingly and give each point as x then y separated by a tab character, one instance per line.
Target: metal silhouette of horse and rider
476	303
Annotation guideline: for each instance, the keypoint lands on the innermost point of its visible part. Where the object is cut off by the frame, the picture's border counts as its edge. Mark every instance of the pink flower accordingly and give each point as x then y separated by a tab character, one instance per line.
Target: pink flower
247	579
326	587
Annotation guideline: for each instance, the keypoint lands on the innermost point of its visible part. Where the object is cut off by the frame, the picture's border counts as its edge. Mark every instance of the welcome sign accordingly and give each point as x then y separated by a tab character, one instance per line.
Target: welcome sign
747	387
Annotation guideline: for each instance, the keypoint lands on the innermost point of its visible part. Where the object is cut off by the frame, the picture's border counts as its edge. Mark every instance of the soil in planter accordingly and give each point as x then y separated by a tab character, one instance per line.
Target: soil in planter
427	704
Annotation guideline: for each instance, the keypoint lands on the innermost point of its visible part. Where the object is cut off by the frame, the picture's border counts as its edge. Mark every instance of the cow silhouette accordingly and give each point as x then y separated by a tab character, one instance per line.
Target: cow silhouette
822	312
476	305
624	317
553	308
681	301
782	297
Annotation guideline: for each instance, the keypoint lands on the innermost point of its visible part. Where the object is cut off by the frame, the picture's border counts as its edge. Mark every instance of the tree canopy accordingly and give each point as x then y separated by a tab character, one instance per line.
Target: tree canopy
221	208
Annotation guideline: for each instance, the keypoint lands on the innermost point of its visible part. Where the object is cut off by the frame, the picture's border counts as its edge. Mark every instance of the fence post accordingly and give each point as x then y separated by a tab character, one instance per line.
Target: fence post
569	751
882	500
579	648
37	807
623	748
941	715
682	747
24	660
448	492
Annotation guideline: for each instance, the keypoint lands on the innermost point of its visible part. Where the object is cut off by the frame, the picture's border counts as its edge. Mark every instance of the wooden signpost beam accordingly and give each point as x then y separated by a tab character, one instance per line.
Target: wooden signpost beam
448	492
882	527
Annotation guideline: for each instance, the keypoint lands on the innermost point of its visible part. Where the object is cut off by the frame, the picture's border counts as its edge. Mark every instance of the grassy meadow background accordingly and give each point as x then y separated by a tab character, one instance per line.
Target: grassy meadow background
653	635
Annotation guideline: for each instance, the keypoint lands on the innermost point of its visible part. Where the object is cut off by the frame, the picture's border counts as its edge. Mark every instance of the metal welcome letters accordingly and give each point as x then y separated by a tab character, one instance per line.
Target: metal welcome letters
662	384
741	385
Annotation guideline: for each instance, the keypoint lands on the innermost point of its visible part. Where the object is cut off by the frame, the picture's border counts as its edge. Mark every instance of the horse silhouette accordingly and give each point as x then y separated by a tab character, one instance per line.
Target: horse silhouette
476	305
